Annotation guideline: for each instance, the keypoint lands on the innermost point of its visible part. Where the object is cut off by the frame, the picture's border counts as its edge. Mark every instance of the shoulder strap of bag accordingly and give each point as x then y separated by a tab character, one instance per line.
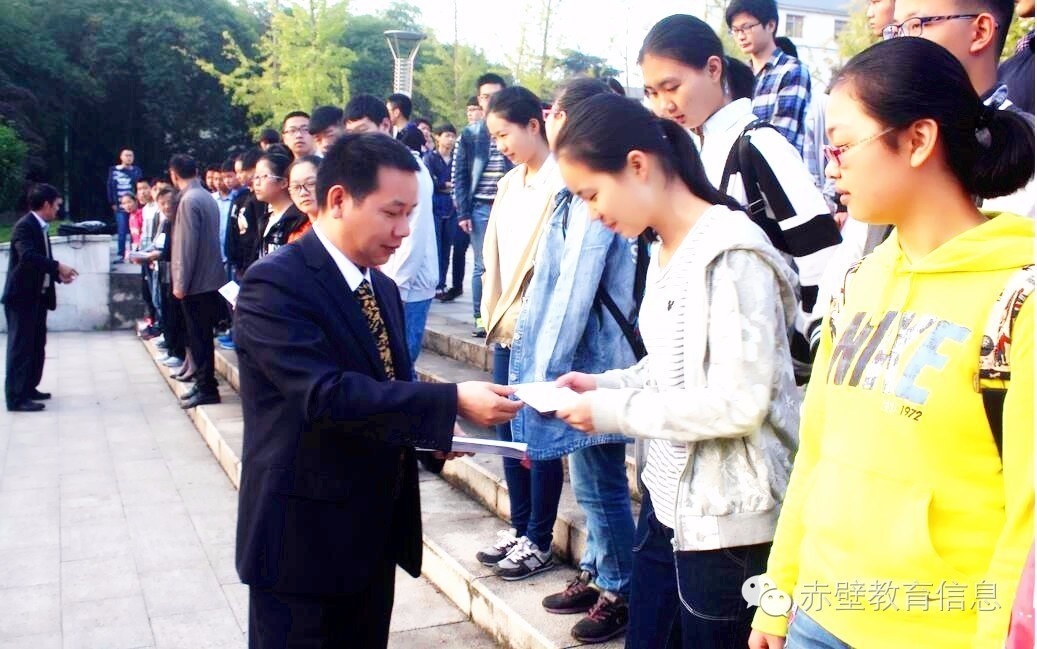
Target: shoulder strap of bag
626	326
742	160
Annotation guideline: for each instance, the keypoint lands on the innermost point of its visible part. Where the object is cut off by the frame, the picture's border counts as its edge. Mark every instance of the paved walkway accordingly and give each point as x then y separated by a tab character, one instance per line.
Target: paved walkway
117	524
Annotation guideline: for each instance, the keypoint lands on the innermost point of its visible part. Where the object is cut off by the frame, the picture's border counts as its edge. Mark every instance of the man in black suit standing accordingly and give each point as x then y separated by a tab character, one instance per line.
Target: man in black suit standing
329	502
28	294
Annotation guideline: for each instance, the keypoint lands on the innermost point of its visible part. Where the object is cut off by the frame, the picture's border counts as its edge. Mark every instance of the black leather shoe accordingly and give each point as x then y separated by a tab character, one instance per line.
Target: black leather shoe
200	400
36	395
190	393
25	406
184	378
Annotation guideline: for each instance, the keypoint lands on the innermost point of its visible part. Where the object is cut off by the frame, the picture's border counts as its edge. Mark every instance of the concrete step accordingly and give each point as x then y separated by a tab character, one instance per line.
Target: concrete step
455	528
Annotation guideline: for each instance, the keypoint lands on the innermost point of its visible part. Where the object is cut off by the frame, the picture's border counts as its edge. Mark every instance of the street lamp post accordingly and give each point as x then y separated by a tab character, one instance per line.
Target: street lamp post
404	48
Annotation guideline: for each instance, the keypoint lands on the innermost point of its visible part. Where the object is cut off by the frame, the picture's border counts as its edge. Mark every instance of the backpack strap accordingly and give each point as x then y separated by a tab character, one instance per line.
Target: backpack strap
629	327
743	159
995	369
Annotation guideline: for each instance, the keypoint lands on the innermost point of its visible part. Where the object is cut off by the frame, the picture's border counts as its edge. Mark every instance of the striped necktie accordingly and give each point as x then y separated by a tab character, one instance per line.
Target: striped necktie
365	296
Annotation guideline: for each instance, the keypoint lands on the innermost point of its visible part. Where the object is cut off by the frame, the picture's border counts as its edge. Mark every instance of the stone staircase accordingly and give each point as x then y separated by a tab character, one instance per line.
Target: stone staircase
462	509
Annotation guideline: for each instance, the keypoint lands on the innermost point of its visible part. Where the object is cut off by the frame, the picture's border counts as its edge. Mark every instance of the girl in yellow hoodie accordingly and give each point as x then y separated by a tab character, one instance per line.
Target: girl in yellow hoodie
902	525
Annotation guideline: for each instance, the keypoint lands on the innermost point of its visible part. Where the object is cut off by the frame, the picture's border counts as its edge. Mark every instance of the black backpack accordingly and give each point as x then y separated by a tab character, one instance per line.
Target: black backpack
745	159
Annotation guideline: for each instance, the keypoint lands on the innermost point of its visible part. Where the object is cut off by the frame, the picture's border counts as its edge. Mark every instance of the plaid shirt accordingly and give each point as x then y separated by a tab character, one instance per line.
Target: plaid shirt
781	96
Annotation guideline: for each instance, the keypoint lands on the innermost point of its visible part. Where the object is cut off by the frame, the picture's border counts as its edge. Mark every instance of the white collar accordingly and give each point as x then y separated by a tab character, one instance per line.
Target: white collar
41	221
350	271
547	172
731	115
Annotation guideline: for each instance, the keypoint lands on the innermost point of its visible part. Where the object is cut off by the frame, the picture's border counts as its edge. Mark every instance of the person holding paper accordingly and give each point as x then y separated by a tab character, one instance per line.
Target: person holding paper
329	502
714	401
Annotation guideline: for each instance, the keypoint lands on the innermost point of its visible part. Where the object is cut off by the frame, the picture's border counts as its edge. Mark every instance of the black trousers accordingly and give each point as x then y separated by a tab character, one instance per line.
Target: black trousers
173	327
201	312
292	621
26	342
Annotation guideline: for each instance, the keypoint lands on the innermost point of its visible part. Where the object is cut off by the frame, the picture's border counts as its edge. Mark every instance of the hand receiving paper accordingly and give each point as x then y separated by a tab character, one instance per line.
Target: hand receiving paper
578	412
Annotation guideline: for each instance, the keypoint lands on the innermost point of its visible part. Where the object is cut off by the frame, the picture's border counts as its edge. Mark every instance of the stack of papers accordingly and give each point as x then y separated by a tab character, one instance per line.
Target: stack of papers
462	444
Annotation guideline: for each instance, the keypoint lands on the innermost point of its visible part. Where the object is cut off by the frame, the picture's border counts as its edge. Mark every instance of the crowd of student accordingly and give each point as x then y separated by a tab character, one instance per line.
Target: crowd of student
686	264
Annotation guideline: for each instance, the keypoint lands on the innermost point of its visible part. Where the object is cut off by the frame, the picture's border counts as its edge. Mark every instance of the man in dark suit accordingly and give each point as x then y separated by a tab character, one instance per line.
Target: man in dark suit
198	273
28	294
329	502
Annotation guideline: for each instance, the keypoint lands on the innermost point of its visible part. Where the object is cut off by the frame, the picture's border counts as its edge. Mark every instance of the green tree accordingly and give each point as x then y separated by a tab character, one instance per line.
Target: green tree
856	36
1020	27
12	166
574	63
301	63
447	78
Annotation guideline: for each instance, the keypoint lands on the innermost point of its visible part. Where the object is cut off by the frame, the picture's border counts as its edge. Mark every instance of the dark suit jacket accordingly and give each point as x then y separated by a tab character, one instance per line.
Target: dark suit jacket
28	265
326	435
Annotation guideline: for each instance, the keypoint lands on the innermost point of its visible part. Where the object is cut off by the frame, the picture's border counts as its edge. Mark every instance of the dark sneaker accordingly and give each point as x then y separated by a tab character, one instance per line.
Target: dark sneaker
607	619
493	554
453	294
440	294
524	560
578	597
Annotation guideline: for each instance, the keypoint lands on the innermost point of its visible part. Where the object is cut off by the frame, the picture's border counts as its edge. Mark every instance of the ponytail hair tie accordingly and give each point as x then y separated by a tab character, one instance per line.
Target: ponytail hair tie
983	121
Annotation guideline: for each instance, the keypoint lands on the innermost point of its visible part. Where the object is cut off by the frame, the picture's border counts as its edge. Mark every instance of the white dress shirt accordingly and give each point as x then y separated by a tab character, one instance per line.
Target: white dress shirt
350	271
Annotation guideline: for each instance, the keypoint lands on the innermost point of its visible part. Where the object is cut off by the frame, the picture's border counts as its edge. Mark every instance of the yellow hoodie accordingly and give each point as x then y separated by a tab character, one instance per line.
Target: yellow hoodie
900	528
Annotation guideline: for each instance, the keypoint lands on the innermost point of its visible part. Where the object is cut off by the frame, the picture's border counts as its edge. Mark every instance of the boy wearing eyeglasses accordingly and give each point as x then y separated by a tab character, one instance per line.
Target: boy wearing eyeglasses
295	133
782	90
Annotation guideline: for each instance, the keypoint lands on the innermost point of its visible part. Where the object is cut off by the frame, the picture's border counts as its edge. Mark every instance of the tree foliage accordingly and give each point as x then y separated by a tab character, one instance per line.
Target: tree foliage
301	61
12	166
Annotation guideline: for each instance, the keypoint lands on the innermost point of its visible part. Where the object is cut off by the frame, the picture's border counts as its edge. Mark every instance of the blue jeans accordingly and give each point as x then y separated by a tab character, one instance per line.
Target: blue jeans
534	492
688	600
480	219
415	314
156	294
805	633
122	223
599	478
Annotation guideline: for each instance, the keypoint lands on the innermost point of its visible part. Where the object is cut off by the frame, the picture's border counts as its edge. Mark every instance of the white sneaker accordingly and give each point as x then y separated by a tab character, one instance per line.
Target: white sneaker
491	555
524	560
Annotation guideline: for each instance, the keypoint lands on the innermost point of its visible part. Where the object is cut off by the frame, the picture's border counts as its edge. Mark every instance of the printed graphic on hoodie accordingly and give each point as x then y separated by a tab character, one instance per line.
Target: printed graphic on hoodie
891	355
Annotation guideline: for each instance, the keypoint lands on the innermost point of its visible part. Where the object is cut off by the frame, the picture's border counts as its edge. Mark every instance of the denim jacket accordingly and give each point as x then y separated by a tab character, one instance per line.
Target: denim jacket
471	153
562	328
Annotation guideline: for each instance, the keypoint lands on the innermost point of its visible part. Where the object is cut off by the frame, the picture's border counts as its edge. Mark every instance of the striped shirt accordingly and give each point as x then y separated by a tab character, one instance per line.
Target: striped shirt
781	96
486	190
664	333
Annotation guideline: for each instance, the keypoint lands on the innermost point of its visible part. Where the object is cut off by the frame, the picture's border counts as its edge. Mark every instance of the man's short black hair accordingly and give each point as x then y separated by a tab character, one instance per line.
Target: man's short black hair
403	102
269	136
422	120
324	117
228	166
184	166
250	158
40	194
445	128
763	10
368	106
294	113
786	45
354	160
490	77
472	101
